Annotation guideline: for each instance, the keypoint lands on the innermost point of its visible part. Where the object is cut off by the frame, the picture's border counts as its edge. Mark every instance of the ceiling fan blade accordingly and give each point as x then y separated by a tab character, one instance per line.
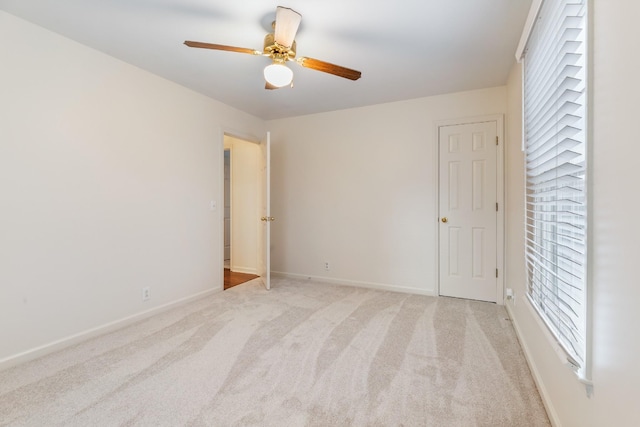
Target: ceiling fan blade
326	67
222	47
269	86
287	23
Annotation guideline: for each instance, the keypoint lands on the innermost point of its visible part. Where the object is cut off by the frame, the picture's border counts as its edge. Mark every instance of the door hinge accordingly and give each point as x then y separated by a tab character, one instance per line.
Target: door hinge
496	207
496	272
496	140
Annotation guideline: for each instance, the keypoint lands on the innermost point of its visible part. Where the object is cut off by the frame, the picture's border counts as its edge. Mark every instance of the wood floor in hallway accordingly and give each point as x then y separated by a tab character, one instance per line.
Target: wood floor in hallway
232	278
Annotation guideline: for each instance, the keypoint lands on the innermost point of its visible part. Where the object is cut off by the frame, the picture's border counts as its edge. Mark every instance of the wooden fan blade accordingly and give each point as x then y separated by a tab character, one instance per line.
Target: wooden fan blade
222	47
287	23
326	67
269	86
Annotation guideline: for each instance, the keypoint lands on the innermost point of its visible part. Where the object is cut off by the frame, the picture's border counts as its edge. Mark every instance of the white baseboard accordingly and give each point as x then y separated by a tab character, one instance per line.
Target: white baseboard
246	270
355	283
51	347
553	416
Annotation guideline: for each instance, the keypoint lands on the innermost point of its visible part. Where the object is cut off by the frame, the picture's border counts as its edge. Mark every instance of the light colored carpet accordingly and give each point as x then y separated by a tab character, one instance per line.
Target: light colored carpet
302	354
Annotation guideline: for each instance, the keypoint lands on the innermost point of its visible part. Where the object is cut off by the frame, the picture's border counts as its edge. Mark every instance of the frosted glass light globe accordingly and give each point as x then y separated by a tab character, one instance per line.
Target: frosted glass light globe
278	75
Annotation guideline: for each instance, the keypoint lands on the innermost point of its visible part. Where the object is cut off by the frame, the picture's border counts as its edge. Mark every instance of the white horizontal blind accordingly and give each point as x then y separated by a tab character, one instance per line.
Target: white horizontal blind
555	152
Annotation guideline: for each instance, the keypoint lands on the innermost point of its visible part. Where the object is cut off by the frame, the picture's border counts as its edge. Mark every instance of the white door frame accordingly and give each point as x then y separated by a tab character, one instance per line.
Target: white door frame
499	119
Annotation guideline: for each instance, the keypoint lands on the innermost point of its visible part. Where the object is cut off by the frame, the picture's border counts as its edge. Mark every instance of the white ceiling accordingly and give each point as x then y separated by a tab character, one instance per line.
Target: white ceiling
404	48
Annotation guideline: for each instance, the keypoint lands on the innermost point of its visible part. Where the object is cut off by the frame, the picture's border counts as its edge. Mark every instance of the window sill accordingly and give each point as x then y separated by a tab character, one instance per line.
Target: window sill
562	355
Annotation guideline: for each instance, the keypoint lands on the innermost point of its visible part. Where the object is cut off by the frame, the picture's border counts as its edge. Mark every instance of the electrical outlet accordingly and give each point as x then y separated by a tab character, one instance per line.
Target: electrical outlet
146	293
511	295
327	267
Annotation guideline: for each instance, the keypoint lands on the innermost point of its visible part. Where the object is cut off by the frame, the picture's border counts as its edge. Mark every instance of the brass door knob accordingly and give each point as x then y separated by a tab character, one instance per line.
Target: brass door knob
444	219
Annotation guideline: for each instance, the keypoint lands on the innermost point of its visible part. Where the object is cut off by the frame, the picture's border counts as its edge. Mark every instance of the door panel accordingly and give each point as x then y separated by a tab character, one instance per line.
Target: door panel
468	217
266	218
477	248
454	251
453	187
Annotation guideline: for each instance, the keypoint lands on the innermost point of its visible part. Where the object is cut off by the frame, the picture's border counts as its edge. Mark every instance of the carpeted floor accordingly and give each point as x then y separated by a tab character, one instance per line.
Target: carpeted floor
302	354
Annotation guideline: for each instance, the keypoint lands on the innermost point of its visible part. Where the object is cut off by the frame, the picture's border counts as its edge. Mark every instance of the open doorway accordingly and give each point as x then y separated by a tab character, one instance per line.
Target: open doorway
241	210
227	209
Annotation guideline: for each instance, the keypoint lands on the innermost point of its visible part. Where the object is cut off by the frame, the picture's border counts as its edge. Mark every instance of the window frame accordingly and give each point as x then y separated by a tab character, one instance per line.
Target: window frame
582	367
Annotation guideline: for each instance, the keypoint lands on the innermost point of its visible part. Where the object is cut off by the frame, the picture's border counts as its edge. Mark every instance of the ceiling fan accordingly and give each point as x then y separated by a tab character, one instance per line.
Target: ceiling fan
280	46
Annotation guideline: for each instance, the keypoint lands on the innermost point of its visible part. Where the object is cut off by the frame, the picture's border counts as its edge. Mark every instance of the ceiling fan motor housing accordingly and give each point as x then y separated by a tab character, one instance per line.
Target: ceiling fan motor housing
279	53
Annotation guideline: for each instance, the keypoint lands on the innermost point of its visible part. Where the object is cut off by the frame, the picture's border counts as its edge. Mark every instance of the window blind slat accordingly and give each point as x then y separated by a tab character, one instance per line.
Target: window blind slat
562	190
567	314
565	169
540	251
573	241
565	305
562	311
564	127
569	341
565	84
567	105
564	181
541	165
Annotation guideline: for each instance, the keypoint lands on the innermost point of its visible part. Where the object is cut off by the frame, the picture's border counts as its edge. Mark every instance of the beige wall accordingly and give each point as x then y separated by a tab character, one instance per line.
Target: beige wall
106	177
358	188
614	235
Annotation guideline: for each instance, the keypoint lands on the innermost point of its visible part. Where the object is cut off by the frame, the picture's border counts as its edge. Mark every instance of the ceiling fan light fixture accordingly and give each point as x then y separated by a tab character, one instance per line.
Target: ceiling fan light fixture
278	75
